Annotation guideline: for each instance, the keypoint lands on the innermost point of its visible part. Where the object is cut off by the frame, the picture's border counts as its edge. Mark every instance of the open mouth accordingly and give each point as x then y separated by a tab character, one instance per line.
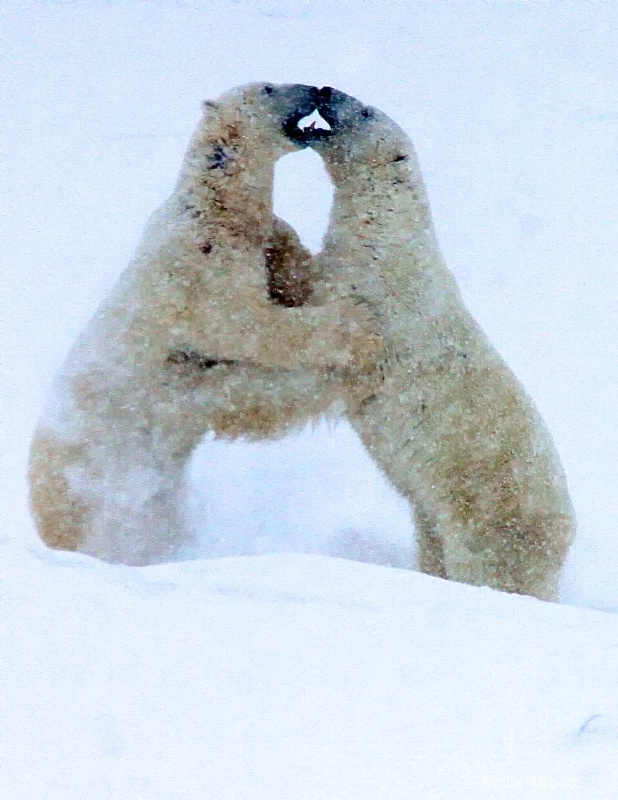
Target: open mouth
304	128
314	122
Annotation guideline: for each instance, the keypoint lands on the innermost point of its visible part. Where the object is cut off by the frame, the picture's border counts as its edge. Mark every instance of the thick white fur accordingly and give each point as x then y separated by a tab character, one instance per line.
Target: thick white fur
141	386
448	423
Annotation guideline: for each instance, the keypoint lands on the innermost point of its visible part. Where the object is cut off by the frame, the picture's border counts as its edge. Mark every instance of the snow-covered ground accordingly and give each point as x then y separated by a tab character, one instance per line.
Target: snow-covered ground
283	673
298	677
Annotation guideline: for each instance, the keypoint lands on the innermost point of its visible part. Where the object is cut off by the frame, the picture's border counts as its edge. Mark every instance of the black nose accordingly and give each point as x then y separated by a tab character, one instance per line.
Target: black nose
325	93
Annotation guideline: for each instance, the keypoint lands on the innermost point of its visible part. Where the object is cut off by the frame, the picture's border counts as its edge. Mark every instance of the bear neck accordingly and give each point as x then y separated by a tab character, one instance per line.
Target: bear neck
383	186
382	244
380	200
230	181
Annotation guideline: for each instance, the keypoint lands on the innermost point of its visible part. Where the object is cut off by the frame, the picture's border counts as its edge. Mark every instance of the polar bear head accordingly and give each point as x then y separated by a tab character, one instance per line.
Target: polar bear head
246	130
361	136
258	117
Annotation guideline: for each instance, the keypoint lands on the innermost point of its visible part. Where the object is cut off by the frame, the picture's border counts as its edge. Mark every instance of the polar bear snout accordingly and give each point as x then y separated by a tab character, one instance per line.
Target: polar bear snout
306	128
304	124
341	110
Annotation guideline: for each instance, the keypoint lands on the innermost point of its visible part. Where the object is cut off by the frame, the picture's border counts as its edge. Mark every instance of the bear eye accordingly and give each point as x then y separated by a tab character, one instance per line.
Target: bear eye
366	113
268	89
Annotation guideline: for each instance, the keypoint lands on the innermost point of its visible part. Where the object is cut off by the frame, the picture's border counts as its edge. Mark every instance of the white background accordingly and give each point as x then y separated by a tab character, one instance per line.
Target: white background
513	108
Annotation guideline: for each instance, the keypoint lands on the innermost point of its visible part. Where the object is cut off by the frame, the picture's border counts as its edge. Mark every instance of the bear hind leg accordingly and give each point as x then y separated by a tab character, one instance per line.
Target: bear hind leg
429	544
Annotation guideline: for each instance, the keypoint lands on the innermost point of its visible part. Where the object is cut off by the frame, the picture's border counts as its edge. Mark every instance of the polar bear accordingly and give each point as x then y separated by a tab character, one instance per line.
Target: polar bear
190	340
448	423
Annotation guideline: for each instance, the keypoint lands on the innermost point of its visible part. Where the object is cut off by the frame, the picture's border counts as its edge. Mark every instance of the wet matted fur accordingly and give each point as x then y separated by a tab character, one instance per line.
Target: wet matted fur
195	337
448	422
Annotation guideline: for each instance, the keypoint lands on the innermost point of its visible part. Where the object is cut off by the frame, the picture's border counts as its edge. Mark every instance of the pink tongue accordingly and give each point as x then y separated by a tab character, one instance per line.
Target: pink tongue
313	121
